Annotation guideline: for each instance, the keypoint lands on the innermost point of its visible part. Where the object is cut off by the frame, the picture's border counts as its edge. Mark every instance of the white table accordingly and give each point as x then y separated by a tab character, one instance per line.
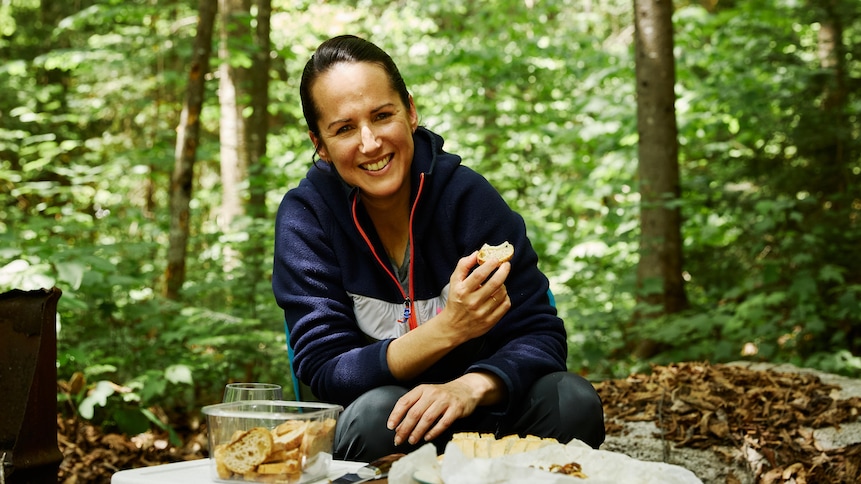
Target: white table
198	472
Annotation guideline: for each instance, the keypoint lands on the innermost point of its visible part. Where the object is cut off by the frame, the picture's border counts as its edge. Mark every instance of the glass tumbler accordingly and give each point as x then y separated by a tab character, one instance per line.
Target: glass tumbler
235	392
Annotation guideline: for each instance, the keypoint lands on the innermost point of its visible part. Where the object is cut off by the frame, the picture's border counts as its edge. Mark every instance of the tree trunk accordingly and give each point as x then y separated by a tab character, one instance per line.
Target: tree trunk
832	150
233	96
832	146
659	271
258	122
188	136
258	130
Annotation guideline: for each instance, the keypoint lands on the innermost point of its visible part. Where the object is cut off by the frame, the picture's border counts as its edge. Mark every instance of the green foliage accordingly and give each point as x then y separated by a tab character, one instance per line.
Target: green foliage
537	96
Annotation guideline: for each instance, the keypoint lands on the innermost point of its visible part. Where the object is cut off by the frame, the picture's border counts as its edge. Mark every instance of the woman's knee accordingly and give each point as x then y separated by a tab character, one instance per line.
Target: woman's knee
361	433
580	411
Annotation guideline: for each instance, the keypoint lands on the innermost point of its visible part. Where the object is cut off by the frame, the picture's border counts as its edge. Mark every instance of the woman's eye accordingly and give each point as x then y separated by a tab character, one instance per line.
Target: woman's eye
342	129
383	115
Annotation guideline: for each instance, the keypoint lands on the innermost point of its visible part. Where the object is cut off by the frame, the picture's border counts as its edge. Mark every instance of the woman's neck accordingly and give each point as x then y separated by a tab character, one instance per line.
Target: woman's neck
391	219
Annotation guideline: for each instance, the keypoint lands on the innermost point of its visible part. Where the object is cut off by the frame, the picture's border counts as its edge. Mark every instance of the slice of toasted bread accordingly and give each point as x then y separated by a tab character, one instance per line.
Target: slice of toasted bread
220	468
285	468
318	437
504	252
289	437
248	450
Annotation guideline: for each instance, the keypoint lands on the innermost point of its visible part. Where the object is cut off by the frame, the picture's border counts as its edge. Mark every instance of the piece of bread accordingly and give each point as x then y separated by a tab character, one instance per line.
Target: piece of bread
318	437
220	468
473	444
248	451
283	455
274	456
284	468
504	252
289	435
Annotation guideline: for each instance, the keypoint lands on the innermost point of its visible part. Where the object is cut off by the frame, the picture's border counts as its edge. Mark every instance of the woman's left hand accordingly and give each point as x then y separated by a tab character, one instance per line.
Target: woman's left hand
426	411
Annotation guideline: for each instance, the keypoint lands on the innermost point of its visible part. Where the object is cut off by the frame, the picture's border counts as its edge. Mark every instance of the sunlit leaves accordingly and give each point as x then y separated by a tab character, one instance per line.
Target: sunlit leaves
538	96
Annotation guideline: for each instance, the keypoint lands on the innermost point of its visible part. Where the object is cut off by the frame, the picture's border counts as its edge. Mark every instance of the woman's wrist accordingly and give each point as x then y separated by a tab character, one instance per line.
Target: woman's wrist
488	389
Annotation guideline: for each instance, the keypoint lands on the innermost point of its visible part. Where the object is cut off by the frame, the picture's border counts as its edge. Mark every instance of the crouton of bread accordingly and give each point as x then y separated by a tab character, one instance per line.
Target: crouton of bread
504	252
247	451
288	436
221	469
318	437
282	468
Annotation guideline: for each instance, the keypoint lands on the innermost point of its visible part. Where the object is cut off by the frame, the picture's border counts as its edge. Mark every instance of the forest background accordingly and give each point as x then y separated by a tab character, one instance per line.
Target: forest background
540	97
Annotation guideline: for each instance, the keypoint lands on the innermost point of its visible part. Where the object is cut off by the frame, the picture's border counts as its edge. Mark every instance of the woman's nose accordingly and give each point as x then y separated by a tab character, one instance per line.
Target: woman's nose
369	140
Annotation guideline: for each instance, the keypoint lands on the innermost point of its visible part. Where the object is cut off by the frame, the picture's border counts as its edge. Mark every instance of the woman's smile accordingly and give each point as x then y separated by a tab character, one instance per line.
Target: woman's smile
377	166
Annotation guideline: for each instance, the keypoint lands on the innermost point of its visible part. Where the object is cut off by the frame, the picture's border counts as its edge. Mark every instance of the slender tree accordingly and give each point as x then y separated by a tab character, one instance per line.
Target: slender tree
188	136
233	94
244	97
258	122
257	132
659	271
830	148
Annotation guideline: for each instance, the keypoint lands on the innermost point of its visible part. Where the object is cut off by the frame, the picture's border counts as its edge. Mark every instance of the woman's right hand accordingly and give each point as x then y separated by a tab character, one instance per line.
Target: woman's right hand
477	299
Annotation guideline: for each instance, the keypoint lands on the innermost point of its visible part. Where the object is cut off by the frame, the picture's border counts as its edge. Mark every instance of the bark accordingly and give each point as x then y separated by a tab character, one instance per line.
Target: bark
258	123
188	137
832	151
232	95
659	271
258	129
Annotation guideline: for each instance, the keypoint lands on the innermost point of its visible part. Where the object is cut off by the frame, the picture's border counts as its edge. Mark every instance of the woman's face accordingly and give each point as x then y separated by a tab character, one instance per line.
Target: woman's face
365	129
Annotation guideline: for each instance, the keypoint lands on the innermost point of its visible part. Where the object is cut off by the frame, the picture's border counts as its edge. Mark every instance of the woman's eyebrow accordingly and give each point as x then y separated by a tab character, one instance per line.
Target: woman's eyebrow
338	121
381	107
373	111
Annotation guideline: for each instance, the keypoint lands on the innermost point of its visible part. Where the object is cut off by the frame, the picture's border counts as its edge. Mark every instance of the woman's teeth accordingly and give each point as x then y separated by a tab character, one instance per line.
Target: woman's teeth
378	165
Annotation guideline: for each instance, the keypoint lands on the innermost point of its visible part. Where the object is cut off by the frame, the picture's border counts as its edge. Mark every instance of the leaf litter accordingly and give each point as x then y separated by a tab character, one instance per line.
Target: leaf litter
769	417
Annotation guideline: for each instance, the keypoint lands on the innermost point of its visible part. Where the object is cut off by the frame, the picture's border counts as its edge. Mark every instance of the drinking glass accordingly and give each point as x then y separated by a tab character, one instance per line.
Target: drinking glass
235	392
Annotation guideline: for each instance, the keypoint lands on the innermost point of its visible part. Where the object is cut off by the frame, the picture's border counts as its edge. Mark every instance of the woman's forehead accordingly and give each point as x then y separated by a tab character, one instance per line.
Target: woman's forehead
349	85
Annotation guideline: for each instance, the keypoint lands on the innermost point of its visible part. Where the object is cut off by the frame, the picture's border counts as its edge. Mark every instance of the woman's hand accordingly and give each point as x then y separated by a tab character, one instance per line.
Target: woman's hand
477	300
427	411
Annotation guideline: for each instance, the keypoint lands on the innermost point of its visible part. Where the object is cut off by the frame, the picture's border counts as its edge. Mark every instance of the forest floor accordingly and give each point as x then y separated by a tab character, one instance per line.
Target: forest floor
693	404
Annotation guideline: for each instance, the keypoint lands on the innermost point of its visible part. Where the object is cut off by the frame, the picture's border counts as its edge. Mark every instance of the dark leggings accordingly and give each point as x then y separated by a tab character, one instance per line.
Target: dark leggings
561	405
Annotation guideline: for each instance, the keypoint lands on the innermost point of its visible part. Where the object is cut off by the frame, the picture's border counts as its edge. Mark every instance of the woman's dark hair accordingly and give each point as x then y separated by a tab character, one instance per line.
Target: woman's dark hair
344	48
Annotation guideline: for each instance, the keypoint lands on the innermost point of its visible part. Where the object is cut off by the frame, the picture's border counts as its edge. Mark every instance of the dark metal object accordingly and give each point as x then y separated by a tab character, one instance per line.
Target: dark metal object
28	387
375	470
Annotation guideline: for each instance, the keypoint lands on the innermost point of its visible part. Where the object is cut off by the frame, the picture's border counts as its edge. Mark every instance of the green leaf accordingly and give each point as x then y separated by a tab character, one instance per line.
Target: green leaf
131	421
98	396
71	272
832	273
173	436
153	386
179	374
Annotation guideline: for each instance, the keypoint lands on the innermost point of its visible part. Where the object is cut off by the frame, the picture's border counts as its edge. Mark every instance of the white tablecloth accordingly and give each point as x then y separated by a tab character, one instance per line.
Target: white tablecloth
197	472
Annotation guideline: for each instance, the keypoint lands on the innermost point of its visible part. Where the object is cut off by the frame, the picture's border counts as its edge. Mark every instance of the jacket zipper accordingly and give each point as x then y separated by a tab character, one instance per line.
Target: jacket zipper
409	313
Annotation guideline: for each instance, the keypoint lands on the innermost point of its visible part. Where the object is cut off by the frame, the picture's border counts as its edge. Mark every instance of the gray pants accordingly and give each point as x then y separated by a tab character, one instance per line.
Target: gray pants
561	405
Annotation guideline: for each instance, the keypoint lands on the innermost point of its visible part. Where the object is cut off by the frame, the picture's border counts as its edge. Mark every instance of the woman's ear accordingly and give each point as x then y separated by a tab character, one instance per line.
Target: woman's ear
413	115
318	146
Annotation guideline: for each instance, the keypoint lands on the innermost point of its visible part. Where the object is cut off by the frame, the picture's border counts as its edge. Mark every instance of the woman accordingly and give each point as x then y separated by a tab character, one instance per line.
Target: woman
375	268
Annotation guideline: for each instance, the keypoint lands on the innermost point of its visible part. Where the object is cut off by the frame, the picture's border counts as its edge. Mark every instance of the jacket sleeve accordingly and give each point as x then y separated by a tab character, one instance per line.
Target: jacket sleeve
530	340
331	354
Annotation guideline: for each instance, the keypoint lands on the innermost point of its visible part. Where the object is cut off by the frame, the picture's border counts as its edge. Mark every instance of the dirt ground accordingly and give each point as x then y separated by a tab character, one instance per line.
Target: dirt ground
695	405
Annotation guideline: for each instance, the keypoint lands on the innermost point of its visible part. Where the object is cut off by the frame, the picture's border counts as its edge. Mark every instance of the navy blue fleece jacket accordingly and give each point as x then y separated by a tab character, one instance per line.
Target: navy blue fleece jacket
343	303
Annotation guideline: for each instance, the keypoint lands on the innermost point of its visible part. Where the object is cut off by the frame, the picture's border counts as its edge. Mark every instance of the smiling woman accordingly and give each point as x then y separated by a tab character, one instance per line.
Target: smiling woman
376	268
